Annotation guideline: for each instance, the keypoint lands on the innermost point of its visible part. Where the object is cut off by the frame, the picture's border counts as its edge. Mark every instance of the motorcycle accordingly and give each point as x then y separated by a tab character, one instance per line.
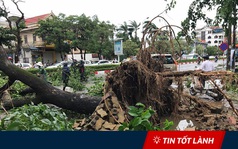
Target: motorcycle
216	59
209	88
199	61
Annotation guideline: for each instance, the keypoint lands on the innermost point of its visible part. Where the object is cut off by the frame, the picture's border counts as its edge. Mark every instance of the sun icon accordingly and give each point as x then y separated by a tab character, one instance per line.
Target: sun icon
156	140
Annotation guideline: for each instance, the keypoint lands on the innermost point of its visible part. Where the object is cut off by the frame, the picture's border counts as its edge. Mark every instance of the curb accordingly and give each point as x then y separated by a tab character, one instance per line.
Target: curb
102	72
182	63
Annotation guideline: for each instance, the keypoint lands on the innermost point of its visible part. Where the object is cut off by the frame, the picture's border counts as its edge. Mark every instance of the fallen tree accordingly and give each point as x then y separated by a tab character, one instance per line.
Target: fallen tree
45	92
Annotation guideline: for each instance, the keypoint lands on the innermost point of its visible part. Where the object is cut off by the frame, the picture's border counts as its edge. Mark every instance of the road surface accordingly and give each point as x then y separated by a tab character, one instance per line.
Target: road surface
219	65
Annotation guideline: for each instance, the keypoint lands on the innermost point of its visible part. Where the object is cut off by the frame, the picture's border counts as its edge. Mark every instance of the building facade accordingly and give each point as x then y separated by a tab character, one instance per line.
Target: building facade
34	49
212	35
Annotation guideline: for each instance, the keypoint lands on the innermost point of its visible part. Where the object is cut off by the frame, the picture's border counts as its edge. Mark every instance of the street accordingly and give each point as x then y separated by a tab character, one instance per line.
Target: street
191	66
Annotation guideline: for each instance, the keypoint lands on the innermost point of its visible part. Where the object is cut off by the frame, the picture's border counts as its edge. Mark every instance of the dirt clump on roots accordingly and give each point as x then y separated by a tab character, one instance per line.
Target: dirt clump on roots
133	82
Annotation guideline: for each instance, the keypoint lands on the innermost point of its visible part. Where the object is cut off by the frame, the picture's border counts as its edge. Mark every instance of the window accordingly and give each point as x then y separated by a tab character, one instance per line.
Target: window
215	41
26	60
203	34
215	36
209	32
25	39
34	38
209	37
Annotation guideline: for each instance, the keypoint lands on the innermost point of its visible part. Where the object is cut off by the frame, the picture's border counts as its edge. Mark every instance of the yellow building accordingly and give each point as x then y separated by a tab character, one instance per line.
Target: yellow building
33	47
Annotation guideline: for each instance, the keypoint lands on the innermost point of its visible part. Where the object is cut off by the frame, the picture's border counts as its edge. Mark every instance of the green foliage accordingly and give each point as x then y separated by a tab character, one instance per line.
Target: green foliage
55	30
6	36
3	80
97	88
16	88
213	50
231	83
188	82
92	69
165	46
141	119
130	48
55	76
36	118
74	81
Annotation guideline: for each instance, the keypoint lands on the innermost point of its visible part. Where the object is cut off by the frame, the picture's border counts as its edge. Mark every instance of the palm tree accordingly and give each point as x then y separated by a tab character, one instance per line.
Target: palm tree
134	27
123	31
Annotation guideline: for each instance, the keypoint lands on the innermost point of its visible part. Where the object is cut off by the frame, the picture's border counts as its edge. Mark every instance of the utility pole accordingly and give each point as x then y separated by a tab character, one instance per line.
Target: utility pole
229	47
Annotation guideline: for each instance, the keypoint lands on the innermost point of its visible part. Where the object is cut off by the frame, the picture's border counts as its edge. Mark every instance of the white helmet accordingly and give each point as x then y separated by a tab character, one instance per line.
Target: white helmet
39	64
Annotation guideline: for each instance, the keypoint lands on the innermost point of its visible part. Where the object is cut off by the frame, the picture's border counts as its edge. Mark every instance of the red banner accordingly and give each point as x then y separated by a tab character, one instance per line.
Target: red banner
184	139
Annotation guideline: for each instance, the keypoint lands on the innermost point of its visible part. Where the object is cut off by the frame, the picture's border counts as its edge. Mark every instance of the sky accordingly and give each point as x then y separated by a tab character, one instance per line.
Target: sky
117	12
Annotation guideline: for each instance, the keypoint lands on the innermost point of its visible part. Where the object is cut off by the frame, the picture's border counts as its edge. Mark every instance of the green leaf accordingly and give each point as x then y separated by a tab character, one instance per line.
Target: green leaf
133	111
14	126
140	105
136	121
46	121
146	114
147	124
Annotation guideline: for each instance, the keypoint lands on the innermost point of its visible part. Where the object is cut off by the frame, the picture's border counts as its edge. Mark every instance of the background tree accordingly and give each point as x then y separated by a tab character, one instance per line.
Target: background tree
82	26
102	40
200	49
14	28
164	46
6	37
123	32
55	31
213	50
78	32
225	16
134	27
130	48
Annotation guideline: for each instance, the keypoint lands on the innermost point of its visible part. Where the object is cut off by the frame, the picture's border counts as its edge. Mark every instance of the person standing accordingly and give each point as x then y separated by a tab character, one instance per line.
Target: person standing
81	70
199	60
42	72
206	66
74	65
65	75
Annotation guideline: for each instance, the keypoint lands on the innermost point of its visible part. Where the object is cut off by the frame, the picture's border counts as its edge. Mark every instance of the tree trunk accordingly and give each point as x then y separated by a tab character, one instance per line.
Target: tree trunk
46	92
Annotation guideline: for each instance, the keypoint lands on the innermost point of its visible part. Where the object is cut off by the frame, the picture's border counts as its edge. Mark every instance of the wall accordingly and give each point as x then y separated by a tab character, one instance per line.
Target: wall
78	57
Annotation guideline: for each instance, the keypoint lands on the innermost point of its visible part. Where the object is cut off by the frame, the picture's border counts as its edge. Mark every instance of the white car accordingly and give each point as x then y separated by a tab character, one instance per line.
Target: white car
60	64
87	63
24	65
170	63
102	62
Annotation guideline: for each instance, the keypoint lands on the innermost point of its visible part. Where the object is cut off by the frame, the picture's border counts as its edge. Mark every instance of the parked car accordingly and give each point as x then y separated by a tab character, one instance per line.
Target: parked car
24	65
192	56
169	62
102	62
60	64
87	63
